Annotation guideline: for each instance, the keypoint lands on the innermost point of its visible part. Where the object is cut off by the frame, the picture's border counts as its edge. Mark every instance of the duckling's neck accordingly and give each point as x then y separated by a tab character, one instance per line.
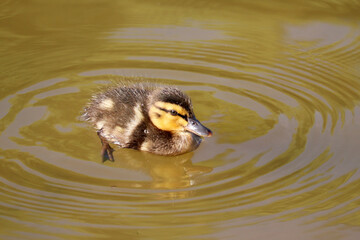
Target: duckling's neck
169	143
185	141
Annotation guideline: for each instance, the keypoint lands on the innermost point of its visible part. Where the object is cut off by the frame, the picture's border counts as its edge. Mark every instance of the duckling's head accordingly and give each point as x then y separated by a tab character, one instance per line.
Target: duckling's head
171	110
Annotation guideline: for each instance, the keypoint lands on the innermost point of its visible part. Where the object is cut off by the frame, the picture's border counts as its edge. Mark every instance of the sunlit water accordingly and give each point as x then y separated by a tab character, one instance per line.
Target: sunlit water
277	83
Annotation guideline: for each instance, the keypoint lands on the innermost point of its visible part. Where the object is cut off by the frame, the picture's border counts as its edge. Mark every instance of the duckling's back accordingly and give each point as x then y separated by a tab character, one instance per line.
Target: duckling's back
117	112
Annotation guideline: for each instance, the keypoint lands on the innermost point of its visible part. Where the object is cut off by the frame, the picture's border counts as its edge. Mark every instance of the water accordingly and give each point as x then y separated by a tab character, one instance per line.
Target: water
277	83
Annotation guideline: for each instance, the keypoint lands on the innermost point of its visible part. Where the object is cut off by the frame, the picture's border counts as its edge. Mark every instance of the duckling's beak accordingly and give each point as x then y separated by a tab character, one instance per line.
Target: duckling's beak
197	128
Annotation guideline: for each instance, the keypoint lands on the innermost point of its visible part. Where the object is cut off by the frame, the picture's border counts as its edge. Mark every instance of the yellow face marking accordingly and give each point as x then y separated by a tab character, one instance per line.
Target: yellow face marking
161	117
106	104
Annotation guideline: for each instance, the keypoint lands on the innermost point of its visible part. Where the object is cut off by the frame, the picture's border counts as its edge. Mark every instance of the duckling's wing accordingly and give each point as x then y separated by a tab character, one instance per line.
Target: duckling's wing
117	112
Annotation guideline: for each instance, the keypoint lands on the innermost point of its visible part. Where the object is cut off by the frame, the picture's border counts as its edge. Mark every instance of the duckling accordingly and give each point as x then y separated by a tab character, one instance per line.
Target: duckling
158	120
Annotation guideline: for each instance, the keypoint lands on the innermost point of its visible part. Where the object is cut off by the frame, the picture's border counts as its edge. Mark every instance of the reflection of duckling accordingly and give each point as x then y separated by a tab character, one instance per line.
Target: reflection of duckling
175	174
178	173
157	120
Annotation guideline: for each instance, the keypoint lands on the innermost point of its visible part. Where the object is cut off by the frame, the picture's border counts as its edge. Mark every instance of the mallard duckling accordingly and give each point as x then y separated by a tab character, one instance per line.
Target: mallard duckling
158	120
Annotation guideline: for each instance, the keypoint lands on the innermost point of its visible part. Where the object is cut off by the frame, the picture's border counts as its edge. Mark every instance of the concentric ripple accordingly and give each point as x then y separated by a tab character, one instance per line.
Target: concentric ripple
281	96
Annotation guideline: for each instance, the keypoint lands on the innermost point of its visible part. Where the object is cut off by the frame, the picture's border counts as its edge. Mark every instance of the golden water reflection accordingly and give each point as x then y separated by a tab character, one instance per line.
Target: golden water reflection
277	82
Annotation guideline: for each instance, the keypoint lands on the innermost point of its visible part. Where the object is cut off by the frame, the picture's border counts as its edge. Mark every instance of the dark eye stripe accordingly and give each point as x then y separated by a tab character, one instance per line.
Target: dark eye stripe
183	116
169	111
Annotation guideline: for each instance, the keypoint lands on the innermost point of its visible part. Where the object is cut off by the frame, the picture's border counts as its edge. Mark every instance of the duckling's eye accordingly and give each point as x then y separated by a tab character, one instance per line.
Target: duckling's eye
173	112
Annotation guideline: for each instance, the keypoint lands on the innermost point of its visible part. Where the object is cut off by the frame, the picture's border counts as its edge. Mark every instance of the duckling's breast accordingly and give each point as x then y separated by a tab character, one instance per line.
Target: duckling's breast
168	143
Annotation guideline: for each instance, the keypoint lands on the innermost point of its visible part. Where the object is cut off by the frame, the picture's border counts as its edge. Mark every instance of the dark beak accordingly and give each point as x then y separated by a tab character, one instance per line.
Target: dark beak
197	128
